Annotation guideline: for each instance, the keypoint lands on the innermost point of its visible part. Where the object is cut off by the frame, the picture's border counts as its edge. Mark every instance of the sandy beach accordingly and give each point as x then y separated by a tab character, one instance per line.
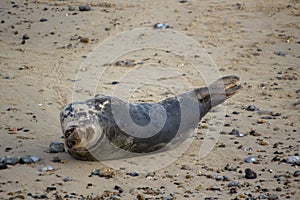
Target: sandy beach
46	50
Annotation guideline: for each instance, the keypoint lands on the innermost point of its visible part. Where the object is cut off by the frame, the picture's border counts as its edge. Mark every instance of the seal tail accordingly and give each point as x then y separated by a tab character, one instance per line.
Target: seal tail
217	92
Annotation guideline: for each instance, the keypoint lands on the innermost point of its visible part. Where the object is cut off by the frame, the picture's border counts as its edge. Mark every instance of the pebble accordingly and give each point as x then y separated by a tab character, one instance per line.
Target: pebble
56	147
25	37
85	39
250	159
56	159
226	178
3	166
250	174
115	82
71	8
297	173
25	160
234	184
133	174
218	177
281	53
292	159
95	172
67	179
43	20
120	190
251	108
273	197
182	1
2	159
185	167
29	159
262	196
236	133
46	168
11	160
8	77
84	8
161	26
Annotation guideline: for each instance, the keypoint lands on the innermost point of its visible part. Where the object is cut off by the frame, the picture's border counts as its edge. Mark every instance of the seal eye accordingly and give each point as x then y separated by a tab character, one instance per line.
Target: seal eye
69	131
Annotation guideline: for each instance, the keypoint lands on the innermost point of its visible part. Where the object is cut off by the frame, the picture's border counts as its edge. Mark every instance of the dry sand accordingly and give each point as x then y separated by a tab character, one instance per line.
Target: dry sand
243	38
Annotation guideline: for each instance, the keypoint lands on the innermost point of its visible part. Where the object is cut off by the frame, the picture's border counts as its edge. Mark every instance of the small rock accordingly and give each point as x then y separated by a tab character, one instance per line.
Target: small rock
262	196
56	147
95	172
3	166
281	53
251	108
25	37
115	82
11	160
226	178
25	160
234	184
297	173
71	8
188	176
218	177
292	159
85	39
50	188
273	197
2	159
56	159
250	159
236	133
8	77
185	167
84	8
46	169
182	1
67	179
133	174
43	20
161	26
120	190
249	174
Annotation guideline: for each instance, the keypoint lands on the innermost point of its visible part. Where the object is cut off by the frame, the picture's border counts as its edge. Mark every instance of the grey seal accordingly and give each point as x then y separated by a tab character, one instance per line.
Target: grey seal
93	131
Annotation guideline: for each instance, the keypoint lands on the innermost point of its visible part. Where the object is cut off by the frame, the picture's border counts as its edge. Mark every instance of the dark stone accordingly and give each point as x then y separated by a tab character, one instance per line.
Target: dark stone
25	160
11	161
249	174
43	20
25	37
114	82
297	173
161	26
56	147
3	166
133	174
251	108
84	8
